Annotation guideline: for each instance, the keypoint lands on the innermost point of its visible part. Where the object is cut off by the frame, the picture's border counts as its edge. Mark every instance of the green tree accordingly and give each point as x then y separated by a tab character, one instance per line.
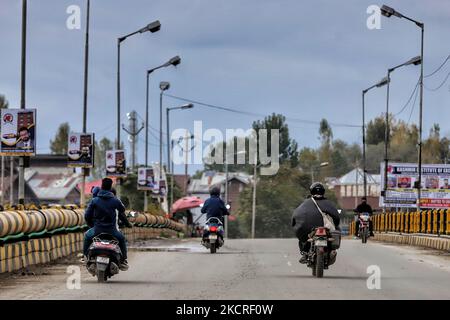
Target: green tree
177	192
59	144
3	102
308	159
130	196
276	198
101	147
288	147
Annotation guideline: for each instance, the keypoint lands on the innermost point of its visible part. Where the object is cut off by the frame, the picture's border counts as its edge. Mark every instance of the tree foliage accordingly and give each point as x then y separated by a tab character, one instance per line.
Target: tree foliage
100	157
3	102
276	198
59	144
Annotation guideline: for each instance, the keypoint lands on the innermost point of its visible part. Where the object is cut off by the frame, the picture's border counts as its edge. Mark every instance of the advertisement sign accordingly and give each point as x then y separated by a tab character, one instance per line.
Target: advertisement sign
116	163
402	177
80	150
18	132
146	179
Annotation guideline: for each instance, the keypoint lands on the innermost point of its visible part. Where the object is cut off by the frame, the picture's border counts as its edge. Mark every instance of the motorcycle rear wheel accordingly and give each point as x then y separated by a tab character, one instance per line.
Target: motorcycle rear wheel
320	262
364	236
101	276
213	248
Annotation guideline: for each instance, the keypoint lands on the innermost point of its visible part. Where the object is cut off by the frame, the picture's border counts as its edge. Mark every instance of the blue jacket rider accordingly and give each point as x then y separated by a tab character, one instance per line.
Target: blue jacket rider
214	206
101	216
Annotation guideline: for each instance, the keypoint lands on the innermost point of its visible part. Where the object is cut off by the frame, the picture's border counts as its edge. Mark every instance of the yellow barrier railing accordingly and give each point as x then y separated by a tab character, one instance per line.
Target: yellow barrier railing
426	221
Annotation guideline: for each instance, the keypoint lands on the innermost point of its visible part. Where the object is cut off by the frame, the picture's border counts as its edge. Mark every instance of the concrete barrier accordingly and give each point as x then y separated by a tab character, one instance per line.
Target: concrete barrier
33	235
437	243
20	255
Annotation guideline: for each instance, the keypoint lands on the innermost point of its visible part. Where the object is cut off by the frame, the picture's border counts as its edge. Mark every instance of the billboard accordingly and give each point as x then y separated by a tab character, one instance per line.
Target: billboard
18	132
80	150
116	163
149	179
402	177
146	179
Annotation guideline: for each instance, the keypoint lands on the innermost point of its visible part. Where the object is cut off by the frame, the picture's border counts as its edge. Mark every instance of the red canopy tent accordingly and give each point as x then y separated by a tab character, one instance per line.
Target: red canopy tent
186	203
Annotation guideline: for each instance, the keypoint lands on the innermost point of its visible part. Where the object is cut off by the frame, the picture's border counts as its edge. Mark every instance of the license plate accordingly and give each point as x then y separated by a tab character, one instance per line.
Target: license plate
321	243
102	259
213	237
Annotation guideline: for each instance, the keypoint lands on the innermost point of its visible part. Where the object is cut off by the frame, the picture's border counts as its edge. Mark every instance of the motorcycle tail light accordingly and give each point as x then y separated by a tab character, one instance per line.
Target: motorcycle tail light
213	229
321	232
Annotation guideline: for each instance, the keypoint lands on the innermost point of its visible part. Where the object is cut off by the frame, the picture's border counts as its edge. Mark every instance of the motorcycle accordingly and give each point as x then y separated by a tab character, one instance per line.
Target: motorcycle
322	252
104	256
364	221
213	234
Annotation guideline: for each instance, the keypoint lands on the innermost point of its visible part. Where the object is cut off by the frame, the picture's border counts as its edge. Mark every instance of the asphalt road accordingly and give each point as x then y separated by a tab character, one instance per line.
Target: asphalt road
246	269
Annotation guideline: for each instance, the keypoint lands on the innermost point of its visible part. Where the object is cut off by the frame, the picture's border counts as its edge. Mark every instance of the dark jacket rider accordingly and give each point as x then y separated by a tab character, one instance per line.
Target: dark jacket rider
214	206
362	208
307	217
101	215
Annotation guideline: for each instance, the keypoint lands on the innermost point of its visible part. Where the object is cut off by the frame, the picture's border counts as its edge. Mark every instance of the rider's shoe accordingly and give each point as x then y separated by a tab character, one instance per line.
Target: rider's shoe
123	265
304	258
84	259
372	234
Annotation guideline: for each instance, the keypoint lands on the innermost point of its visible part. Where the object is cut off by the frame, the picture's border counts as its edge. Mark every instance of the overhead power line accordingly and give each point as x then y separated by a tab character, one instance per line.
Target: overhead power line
235	110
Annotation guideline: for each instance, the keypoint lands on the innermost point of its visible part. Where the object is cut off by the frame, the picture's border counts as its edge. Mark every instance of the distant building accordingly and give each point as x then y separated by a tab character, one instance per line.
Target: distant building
349	189
47	180
237	182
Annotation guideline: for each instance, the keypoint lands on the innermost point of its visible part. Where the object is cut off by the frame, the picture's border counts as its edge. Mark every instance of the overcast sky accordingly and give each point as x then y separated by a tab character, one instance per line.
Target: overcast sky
305	59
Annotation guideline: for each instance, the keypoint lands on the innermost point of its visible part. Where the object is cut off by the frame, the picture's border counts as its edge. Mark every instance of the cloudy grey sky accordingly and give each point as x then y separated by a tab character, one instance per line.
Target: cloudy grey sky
304	59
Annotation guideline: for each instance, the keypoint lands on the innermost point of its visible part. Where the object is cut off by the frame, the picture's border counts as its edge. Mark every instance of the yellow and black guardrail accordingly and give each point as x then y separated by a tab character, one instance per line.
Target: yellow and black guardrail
32	235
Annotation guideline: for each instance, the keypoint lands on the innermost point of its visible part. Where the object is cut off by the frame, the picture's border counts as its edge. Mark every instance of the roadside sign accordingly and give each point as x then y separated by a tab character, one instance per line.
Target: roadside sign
80	150
18	132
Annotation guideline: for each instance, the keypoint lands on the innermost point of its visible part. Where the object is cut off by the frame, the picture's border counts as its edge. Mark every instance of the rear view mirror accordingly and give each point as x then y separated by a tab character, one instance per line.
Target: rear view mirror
228	206
339	211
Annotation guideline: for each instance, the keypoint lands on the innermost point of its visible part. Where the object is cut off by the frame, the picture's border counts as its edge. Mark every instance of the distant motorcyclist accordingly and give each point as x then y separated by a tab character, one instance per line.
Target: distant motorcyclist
361	208
214	206
307	217
101	216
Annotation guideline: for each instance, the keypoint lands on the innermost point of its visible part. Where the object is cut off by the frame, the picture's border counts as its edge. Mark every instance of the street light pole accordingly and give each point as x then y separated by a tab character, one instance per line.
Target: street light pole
386	138
323	164
21	190
388	12
226	192
381	83
419	187
254	197
86	62
152	27
163	86
173	61
414	61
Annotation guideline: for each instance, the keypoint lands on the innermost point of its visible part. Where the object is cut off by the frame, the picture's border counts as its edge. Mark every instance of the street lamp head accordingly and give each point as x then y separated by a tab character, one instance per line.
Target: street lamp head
187	106
388	12
175	61
164	85
415	61
152	27
383	82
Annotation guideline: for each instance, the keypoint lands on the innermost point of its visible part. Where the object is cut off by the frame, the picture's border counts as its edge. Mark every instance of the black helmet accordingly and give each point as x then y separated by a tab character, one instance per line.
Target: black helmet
214	191
317	189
